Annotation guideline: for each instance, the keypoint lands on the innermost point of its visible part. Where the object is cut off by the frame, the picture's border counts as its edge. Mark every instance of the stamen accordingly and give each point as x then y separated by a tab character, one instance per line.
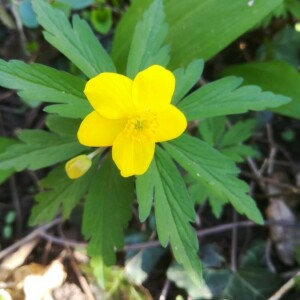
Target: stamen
140	126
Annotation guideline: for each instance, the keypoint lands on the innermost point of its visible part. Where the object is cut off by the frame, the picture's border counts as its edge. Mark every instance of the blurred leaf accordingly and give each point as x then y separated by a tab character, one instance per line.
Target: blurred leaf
216	171
138	267
288	135
27	15
225	97
101	19
78	43
39	149
190	35
4	144
294	7
275	76
117	285
178	275
107	210
147	46
60	192
38	83
64	7
10	217
75	4
252	280
275	48
7	231
186	79
174	211
8	21
144	191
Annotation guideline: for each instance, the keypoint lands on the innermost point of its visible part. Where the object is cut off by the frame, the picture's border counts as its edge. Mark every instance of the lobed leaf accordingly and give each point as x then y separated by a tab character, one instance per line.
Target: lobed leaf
276	76
4	144
228	141
63	126
212	129
187	78
77	43
214	170
147	42
225	97
107	211
174	211
39	149
60	192
238	133
190	34
37	83
144	192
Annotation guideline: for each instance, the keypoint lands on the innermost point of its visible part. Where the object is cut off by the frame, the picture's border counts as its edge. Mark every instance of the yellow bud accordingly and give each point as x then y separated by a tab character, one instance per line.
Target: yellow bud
78	166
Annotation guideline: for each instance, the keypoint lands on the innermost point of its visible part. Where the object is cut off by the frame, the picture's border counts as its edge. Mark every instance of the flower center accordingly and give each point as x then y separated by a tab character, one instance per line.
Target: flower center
141	126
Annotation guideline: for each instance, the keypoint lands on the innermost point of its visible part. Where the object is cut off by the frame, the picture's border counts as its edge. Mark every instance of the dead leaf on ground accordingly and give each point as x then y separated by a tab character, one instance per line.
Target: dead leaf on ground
285	238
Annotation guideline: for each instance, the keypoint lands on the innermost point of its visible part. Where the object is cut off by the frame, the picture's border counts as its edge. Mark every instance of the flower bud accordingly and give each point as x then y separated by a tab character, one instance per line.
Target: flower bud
78	166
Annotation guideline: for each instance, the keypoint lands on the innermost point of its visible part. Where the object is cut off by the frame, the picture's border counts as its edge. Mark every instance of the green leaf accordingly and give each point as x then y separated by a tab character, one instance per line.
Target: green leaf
179	276
212	129
39	83
229	142
275	47
200	191
101	19
139	265
196	28
174	211
71	109
79	43
187	78
294	7
147	43
238	133
75	4
275	76
27	14
144	191
253	281
63	126
39	149
107	211
238	152
197	190
225	97
4	144
60	192
214	170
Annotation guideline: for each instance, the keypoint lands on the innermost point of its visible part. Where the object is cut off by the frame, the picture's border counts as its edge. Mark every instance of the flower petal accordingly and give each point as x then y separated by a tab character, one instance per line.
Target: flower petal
110	95
153	89
96	131
171	124
132	156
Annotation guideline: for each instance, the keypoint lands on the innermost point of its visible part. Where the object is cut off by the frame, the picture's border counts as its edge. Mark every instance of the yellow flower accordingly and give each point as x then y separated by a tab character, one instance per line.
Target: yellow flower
78	166
131	116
